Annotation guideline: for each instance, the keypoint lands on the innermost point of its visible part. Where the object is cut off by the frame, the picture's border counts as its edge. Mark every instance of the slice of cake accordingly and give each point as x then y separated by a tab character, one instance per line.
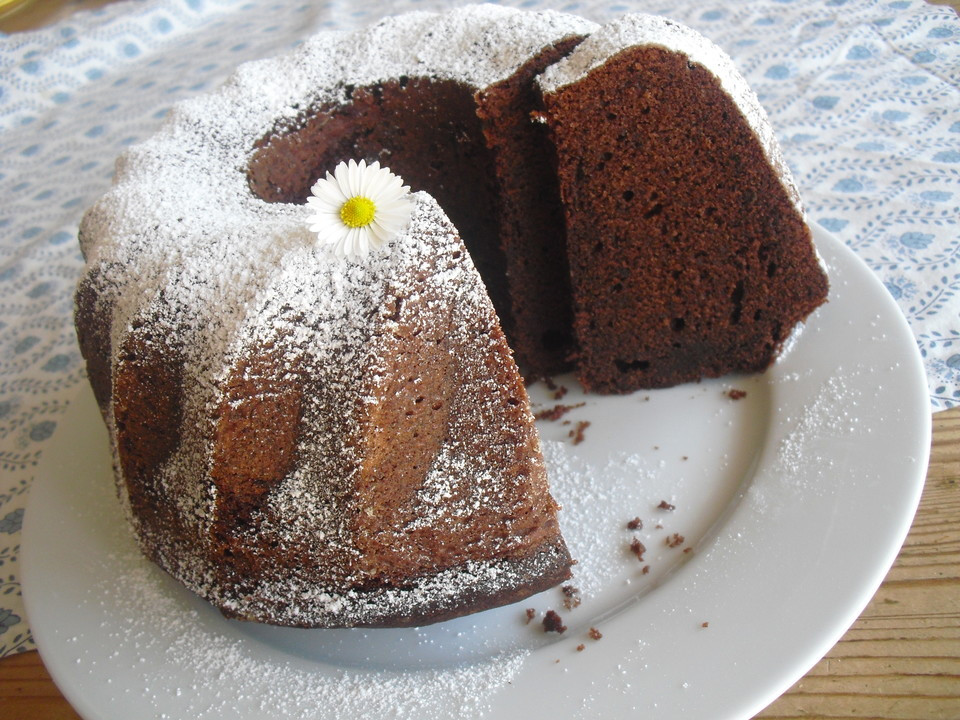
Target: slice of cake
689	255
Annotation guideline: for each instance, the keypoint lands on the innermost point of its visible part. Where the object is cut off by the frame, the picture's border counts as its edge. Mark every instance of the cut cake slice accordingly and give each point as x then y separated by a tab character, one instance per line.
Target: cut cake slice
688	250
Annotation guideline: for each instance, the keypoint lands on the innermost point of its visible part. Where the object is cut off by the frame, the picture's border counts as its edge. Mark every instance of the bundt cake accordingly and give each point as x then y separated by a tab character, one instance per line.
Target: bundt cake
311	440
689	255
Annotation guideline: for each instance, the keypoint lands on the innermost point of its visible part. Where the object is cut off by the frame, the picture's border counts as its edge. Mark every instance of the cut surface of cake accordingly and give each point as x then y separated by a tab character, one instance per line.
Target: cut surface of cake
688	250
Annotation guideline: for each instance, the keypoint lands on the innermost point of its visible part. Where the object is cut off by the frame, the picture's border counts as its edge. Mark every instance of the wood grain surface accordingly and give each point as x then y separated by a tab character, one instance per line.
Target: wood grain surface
899	661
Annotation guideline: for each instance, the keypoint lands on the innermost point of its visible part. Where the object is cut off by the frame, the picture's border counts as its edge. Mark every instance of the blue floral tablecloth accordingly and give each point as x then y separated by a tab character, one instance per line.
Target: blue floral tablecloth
864	95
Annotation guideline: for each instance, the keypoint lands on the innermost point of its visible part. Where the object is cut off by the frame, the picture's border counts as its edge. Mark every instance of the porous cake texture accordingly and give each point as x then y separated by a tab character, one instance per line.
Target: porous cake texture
688	250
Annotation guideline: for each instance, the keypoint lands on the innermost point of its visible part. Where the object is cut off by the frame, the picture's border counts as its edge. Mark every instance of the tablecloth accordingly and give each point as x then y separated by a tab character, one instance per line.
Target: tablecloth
864	96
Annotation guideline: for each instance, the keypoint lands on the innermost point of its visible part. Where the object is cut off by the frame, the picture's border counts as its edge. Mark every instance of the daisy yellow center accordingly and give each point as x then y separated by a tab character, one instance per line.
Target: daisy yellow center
358	212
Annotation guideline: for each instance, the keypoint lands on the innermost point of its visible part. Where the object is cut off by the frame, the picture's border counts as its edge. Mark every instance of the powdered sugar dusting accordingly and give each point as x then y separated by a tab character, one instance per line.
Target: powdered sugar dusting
196	669
639	30
618	561
831	414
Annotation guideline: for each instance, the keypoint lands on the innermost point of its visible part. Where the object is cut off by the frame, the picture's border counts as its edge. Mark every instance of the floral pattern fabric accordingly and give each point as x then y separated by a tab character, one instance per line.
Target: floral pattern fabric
864	96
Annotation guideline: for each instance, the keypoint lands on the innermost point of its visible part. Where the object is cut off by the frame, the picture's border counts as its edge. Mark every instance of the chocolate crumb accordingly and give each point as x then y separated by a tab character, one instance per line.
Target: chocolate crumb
664	505
548	381
638	549
635	524
577	433
705	624
571	596
581	647
560	392
675	540
735	394
531	613
595	634
646	569
556	412
552	622
688	550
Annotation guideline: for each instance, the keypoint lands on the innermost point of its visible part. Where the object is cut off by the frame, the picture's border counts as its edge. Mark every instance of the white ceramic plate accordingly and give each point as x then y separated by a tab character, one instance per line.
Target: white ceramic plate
792	501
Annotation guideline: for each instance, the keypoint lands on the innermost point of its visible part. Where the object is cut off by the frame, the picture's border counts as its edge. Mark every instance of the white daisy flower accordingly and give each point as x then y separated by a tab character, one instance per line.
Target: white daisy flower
359	207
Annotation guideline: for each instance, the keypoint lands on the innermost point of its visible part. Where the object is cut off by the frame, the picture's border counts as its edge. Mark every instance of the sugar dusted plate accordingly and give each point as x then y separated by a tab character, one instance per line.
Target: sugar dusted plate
771	508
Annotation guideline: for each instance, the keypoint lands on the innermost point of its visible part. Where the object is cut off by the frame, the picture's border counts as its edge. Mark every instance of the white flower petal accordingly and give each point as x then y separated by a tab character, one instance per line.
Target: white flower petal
329	193
357	172
370	181
341	176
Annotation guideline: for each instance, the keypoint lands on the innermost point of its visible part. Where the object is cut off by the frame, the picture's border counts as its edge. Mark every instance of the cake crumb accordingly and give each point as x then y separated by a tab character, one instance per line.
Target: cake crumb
635	524
595	634
577	432
581	647
560	392
645	570
664	505
556	412
552	622
571	596
675	540
531	614
735	394
704	624
638	549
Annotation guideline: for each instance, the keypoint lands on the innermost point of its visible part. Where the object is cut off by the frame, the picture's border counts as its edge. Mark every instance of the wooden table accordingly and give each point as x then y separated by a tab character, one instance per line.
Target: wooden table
899	661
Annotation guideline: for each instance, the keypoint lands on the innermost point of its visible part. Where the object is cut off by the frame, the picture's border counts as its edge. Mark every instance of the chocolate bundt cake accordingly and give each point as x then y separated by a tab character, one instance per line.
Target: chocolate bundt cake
318	441
689	255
